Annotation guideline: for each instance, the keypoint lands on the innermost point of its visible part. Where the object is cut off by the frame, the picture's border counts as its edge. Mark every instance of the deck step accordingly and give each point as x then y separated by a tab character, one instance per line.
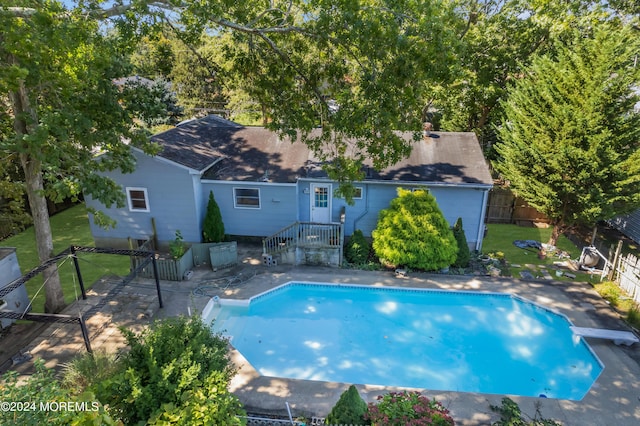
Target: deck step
619	337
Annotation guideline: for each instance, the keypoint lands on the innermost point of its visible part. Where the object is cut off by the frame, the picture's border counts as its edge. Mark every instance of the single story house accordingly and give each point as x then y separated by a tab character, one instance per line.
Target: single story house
263	183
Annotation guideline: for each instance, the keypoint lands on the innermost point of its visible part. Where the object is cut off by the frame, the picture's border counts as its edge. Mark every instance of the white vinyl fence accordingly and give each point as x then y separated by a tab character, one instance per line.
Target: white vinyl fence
628	275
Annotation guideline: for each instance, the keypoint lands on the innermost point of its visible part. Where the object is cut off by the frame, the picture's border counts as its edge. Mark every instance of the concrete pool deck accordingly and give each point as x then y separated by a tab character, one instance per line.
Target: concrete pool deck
613	400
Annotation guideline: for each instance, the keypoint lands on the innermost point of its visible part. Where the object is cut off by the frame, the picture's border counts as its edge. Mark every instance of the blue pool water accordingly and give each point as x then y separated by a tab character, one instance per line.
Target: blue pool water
438	340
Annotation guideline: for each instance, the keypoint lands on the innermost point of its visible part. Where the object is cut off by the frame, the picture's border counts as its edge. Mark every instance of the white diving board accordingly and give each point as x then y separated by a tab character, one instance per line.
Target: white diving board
619	337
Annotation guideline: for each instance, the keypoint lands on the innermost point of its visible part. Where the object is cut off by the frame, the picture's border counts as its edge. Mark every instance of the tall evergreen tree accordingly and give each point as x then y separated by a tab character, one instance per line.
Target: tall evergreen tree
463	256
213	227
570	143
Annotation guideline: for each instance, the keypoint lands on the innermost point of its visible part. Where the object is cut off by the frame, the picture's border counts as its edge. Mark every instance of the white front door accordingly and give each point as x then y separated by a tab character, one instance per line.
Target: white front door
320	202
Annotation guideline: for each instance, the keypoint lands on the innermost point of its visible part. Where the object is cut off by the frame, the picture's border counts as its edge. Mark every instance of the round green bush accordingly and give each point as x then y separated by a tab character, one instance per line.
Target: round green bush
413	232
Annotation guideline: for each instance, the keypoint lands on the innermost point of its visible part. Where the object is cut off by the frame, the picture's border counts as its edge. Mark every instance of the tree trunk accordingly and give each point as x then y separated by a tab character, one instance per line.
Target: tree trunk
557	230
23	116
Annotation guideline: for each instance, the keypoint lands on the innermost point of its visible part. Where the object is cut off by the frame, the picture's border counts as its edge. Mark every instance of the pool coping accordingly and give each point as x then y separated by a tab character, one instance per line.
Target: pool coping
613	399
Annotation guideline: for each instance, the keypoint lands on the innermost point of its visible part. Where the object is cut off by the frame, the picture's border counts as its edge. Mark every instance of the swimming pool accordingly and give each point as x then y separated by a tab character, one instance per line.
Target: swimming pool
432	339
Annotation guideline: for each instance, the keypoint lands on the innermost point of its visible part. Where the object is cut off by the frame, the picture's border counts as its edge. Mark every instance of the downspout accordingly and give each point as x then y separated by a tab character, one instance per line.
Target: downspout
366	209
481	224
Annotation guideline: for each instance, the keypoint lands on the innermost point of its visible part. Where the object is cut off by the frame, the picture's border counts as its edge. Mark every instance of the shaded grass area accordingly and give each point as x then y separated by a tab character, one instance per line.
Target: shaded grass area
499	243
70	227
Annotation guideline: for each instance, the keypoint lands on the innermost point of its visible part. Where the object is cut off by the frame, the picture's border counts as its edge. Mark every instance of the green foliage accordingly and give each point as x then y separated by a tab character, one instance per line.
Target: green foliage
212	227
510	415
633	316
79	111
498	40
43	388
210	404
349	410
153	102
407	409
177	247
196	73
570	145
154	56
375	62
413	232
618	299
13	209
56	84
357	249
87	371
69	227
463	255
174	360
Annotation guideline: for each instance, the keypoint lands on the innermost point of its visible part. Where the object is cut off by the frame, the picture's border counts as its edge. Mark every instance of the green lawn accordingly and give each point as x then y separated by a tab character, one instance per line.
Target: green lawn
70	227
500	238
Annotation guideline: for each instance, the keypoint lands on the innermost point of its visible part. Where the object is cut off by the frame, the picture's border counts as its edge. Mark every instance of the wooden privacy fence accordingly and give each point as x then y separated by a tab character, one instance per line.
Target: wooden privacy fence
504	207
628	276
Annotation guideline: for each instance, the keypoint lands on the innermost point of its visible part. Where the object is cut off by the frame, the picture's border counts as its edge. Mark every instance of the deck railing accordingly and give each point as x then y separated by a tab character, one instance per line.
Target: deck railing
304	235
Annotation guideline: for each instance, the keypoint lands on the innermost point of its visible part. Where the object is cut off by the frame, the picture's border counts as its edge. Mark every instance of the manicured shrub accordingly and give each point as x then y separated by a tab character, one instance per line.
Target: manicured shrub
463	255
413	232
349	410
168	363
212	227
407	409
357	249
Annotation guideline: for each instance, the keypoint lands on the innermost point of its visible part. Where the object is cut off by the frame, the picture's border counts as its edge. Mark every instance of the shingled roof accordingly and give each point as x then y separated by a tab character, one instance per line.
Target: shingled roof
223	150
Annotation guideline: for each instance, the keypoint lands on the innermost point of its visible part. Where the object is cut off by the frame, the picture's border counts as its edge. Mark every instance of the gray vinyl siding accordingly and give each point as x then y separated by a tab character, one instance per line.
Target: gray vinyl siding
177	200
171	202
278	207
466	203
460	201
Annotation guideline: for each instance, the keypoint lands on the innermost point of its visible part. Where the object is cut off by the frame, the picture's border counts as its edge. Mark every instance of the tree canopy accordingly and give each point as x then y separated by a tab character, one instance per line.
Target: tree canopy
372	58
570	141
56	73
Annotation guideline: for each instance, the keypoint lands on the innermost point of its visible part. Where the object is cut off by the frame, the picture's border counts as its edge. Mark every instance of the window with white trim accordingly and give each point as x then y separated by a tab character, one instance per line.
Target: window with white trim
246	198
357	193
138	199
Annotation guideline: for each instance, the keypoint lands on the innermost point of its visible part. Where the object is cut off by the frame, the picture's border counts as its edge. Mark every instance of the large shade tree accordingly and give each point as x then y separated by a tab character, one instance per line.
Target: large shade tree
56	70
570	142
373	57
498	38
